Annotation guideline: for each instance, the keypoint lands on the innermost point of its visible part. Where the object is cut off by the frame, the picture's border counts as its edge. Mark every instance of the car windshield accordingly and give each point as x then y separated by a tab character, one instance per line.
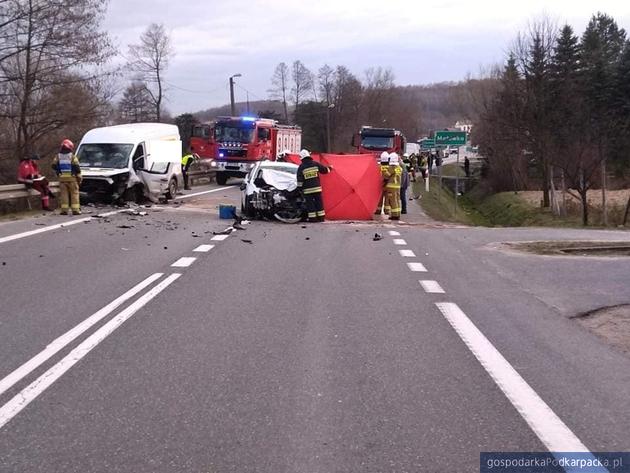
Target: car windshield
104	155
289	169
233	133
377	142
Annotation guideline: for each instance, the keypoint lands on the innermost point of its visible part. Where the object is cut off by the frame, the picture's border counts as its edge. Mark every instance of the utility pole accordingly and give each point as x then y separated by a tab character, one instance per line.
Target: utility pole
232	108
328	109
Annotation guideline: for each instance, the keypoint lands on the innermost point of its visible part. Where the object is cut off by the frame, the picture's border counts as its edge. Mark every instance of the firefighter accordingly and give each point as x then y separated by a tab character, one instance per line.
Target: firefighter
405	168
66	165
28	174
187	161
384	163
308	180
392	174
283	155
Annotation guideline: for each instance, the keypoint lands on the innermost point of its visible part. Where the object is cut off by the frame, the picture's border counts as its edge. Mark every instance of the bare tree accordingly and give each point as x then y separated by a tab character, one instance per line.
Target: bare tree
150	59
302	82
48	47
280	83
326	77
137	104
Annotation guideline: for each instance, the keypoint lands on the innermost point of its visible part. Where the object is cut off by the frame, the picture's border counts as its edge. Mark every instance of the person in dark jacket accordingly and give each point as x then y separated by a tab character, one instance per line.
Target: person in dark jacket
404	182
308	180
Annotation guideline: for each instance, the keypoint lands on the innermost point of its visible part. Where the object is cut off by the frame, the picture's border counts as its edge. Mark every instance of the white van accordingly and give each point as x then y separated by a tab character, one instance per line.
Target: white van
125	162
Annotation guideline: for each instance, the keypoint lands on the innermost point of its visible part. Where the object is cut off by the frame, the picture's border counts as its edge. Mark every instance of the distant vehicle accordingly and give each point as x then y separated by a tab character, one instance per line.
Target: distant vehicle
412	148
241	142
451	149
270	190
127	162
376	140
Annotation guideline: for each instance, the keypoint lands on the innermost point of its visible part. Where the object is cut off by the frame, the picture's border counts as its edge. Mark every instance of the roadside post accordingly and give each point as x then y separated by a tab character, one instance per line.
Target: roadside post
452	138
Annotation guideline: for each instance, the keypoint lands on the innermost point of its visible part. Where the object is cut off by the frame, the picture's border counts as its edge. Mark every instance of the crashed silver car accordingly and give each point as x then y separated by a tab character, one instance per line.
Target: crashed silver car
270	191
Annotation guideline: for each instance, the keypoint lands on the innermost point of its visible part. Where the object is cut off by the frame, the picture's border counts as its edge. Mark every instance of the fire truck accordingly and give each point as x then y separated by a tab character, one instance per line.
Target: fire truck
202	141
240	142
376	140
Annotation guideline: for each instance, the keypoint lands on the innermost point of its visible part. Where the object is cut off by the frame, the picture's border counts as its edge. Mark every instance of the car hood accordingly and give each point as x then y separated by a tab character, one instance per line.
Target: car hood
281	180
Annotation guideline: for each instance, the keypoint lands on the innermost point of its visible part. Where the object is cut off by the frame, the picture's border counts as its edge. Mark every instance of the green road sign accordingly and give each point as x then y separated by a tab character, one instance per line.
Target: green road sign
451	138
427	144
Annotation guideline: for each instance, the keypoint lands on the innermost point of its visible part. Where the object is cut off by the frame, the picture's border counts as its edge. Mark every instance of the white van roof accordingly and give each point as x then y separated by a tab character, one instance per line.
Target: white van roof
132	133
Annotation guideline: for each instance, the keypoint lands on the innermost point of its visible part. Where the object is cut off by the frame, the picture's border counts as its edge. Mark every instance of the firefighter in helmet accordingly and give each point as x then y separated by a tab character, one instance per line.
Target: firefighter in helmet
308	180
284	154
383	164
392	174
66	165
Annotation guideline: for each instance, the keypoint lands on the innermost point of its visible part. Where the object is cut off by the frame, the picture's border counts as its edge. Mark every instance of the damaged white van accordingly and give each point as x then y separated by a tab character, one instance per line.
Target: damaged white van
129	162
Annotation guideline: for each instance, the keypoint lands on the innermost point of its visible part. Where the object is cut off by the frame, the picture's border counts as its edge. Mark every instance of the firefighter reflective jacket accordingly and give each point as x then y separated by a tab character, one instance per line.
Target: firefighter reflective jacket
308	175
187	161
392	176
66	165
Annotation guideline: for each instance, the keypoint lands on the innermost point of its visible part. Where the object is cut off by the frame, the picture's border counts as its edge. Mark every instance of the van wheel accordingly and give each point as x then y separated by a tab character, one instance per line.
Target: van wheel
222	178
172	189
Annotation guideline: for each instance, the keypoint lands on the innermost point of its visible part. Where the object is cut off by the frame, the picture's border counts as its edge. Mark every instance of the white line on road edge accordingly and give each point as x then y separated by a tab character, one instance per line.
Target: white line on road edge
68	223
8	381
417	267
432	287
549	428
203	248
202	193
399	241
393	233
219	237
184	262
407	253
28	394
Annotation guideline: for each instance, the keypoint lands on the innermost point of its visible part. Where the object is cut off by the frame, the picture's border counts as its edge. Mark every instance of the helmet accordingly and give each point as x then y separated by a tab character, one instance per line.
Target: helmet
393	159
384	157
406	155
285	152
304	154
69	145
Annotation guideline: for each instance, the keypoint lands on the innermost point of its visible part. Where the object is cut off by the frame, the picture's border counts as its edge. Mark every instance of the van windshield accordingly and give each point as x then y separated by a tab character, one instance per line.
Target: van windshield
104	155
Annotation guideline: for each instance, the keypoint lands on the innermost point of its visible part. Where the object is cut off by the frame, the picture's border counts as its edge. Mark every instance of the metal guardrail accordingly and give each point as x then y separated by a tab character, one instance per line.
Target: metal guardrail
19	191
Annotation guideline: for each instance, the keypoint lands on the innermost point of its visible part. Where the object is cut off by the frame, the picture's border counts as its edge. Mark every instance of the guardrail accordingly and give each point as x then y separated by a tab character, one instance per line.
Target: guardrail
201	170
19	191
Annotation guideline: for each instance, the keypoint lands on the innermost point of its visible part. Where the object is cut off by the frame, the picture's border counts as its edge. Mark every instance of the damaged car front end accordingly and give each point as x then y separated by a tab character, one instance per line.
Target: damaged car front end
270	191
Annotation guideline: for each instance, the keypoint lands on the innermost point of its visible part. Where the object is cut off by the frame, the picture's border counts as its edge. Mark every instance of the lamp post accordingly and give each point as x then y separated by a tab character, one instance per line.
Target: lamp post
232	110
328	109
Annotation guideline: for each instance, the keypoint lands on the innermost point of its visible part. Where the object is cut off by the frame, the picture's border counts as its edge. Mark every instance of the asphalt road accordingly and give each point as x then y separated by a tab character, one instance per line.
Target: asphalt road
288	349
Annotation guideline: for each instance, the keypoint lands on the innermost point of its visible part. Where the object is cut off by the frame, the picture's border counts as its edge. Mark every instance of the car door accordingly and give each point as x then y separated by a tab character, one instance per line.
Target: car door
162	163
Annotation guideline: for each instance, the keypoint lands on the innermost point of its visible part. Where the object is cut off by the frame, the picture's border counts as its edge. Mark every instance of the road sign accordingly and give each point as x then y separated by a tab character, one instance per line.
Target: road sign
451	138
427	144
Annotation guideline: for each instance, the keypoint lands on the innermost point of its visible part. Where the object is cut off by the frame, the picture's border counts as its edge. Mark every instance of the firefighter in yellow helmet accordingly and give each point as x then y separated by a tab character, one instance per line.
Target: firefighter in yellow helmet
384	164
392	174
66	166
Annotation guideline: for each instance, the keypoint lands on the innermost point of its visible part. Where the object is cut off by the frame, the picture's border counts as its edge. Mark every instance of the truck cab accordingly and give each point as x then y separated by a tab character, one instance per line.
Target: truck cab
376	140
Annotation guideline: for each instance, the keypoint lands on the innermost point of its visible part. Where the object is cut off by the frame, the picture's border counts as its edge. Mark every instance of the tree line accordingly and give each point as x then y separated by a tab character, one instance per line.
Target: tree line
559	111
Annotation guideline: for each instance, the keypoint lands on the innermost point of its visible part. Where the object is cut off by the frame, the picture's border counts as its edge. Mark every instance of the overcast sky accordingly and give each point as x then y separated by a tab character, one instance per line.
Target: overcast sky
421	41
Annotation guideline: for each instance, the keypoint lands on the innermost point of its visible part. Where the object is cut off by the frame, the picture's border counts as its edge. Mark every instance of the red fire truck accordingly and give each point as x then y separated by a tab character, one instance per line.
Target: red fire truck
242	141
376	140
202	141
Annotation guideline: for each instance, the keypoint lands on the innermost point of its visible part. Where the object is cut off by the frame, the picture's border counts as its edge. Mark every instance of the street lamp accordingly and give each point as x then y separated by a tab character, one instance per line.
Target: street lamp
232	94
328	109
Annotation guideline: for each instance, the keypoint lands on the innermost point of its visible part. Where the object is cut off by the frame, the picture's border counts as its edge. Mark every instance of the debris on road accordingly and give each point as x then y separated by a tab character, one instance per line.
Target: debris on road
247	241
377	237
125	226
227	231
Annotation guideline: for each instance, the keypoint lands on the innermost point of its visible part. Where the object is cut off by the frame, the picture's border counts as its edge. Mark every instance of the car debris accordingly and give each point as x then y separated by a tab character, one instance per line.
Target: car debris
247	241
377	237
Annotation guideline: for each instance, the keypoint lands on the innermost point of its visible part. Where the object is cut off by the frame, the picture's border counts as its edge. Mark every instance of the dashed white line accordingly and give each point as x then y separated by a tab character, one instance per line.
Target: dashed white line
394	233
28	394
432	287
407	253
219	237
184	262
399	241
187	196
56	345
417	267
551	430
203	248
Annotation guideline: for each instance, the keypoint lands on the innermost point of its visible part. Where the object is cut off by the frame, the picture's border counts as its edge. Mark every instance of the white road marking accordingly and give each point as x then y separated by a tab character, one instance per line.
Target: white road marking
407	253
219	237
28	394
549	428
417	267
399	241
393	233
432	287
184	262
187	196
8	381
57	226
203	248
